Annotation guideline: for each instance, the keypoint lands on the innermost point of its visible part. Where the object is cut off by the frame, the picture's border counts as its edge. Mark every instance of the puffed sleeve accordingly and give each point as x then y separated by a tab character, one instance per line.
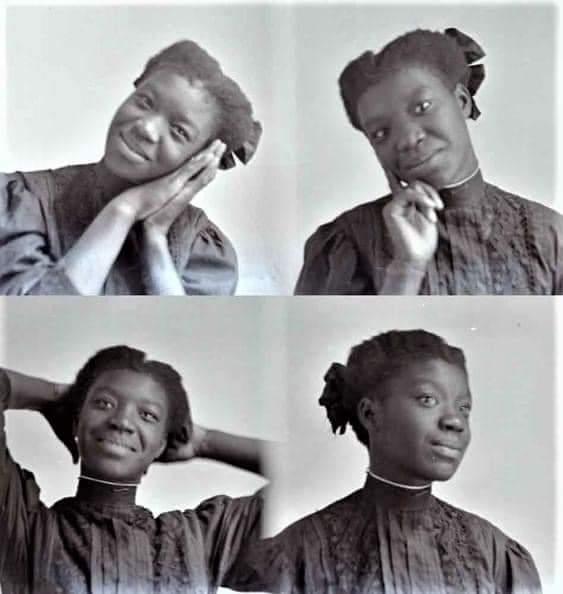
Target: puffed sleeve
212	265
331	264
516	571
228	525
28	265
278	564
19	502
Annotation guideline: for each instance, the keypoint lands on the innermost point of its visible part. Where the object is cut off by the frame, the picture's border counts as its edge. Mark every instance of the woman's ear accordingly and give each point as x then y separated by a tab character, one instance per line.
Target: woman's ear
367	414
463	97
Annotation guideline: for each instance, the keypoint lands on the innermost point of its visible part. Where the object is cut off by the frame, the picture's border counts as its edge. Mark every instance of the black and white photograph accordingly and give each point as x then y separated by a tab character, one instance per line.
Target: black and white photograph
420	449
146	150
427	139
176	388
363	204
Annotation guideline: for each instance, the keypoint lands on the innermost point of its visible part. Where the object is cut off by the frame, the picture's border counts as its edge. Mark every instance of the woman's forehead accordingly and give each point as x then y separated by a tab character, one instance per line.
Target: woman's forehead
130	384
397	86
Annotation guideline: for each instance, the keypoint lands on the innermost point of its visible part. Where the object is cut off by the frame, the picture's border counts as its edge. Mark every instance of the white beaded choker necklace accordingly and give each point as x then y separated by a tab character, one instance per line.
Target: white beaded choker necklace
110	483
394	484
460	183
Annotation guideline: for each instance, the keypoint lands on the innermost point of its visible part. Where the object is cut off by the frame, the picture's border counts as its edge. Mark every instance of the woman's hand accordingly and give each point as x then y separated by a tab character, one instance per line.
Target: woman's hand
182	452
204	168
411	219
140	202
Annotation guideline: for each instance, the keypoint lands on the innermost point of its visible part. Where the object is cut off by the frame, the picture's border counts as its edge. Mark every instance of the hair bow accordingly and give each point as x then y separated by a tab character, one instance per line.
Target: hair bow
475	73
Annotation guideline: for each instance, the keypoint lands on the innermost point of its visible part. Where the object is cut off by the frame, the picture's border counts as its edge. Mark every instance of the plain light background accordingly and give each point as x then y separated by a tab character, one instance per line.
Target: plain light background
226	350
68	68
514	138
508	474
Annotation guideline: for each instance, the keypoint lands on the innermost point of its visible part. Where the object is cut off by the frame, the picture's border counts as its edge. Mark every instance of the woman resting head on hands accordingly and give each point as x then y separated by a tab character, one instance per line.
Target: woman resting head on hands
126	225
406	396
122	413
442	229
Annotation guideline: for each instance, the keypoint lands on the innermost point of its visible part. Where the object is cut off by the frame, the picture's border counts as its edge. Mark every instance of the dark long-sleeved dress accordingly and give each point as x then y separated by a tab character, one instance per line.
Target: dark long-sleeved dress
490	242
44	213
386	540
87	546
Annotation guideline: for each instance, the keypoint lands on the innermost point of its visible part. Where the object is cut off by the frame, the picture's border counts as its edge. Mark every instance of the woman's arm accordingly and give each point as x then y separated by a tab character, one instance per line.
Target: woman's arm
90	259
242	452
31	393
161	276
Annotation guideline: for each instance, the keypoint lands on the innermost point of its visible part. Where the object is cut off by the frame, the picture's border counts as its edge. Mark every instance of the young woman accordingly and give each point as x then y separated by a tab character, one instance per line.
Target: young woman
442	229
407	398
125	225
121	414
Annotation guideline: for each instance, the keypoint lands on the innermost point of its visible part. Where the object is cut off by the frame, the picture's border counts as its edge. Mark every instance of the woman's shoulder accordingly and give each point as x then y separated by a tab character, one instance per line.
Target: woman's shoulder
41	183
471	523
535	212
361	215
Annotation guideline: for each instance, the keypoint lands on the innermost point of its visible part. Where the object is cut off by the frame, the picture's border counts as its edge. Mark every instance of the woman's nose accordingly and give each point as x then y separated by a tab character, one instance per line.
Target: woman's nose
121	421
409	136
147	128
452	421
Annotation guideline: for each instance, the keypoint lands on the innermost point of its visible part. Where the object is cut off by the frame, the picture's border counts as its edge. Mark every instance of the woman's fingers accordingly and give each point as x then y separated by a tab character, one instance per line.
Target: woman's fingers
393	181
195	166
418	197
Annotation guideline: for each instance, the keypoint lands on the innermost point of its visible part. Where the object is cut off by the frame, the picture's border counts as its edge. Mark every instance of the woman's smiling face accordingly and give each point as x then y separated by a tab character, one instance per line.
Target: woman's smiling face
122	426
417	126
418	425
159	127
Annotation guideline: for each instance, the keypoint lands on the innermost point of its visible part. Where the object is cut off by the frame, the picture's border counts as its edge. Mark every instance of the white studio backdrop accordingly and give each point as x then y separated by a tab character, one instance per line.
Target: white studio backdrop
508	474
68	68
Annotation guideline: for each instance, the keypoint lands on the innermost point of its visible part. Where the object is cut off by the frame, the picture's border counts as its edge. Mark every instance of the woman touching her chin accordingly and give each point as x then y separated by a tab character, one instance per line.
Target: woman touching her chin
125	225
443	229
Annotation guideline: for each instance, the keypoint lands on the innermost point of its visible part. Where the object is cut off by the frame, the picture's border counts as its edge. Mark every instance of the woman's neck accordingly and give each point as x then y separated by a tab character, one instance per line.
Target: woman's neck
400	485
102	492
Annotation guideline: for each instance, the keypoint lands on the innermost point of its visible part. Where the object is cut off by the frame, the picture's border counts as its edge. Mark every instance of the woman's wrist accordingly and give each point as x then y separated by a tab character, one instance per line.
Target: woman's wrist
403	277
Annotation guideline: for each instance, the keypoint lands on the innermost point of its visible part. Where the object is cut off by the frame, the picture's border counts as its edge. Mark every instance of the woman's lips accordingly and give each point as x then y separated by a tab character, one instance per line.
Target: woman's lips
132	149
446	450
410	165
115	444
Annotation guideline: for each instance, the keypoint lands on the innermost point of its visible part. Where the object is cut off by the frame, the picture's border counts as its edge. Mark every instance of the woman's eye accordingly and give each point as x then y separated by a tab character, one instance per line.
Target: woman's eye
465	409
427	400
379	135
423	106
149	416
144	101
103	403
181	132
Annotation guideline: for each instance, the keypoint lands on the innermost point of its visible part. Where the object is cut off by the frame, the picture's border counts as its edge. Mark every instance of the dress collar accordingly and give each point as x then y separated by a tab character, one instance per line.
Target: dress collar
469	193
106	495
382	494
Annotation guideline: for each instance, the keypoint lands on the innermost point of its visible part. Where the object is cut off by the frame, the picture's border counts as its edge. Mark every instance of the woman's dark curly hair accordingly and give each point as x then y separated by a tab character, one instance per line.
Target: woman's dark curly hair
448	55
123	357
236	126
370	364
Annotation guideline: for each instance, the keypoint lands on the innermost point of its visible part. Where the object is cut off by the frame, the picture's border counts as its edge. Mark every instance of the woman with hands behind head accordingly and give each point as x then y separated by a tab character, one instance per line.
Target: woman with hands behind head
442	229
122	413
126	225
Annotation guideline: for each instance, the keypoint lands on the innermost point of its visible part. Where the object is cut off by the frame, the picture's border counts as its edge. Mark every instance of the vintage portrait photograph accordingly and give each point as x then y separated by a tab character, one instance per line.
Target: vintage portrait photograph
427	137
146	150
134	443
420	449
